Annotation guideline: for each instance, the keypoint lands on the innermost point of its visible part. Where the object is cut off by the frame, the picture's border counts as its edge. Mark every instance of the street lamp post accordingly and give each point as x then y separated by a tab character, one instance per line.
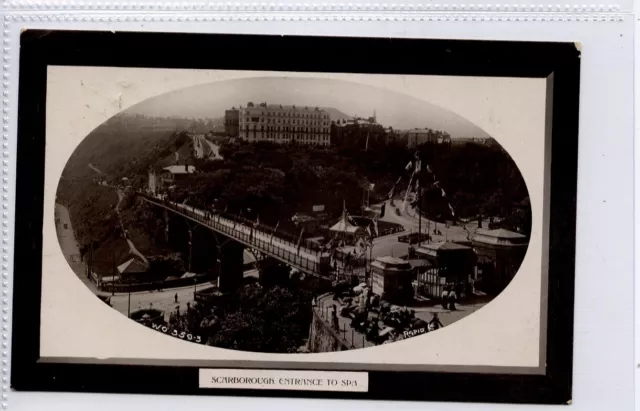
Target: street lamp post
195	284
190	247
129	304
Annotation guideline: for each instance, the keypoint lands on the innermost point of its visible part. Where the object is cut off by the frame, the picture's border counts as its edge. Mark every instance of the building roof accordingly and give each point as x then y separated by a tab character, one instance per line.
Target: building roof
344	227
444	246
301	217
131	266
180	169
500	237
391	260
419	263
389	263
501	233
285	107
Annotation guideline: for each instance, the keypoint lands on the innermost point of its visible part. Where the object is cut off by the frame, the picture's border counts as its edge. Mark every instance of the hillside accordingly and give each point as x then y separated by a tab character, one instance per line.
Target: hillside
336	114
123	146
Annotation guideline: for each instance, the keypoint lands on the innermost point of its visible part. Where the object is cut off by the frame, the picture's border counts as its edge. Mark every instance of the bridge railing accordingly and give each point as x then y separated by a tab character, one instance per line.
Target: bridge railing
276	246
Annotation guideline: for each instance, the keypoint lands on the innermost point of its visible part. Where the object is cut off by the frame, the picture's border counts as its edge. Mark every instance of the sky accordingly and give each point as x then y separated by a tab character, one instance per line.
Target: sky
393	109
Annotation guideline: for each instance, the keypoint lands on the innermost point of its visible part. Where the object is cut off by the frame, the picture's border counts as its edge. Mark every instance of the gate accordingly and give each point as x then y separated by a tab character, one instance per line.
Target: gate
430	283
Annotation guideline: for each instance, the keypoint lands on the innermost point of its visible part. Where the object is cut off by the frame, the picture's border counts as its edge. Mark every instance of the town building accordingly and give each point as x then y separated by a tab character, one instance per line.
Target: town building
416	137
500	253
171	174
167	177
454	261
232	122
153	182
309	223
131	268
392	279
284	124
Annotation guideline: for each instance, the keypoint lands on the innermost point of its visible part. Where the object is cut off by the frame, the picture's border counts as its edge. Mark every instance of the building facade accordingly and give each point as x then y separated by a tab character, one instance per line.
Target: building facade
391	279
153	182
284	124
171	174
501	253
232	122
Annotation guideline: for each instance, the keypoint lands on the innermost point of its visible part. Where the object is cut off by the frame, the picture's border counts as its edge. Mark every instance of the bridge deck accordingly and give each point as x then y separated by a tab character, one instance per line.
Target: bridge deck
306	260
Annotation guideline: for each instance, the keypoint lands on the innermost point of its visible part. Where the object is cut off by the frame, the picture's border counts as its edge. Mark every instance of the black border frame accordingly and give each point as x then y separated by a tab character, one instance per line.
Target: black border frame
295	53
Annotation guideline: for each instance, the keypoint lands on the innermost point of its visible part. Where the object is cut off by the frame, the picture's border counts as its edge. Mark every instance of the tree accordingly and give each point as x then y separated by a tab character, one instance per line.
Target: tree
274	320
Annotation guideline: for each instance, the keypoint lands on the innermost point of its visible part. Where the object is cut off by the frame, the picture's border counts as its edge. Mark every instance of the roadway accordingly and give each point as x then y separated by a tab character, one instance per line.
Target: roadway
446	316
257	234
164	300
390	246
199	144
132	247
69	246
215	150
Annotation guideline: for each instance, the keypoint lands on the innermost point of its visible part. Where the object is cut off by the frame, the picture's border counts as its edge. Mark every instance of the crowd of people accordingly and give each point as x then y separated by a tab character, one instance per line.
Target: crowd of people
453	291
377	320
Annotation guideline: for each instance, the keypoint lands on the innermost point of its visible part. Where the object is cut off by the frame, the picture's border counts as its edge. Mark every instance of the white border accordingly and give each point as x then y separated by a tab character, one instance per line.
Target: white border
603	361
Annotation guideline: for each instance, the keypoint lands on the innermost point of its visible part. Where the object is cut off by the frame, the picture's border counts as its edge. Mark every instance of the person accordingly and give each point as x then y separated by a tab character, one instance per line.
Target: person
175	297
373	334
445	296
435	322
452	299
367	302
334	318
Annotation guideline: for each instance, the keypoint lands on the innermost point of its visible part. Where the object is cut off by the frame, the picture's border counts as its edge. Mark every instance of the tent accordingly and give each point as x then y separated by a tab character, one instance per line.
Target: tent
344	227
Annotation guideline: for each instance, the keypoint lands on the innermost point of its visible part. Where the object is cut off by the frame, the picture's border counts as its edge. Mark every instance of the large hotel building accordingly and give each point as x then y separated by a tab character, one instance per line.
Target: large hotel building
284	124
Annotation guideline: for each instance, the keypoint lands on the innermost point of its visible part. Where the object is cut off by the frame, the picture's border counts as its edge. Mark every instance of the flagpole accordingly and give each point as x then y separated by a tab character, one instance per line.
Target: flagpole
406	194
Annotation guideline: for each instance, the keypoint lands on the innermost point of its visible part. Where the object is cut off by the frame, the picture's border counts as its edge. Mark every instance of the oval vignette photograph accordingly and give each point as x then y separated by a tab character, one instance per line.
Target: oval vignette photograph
292	215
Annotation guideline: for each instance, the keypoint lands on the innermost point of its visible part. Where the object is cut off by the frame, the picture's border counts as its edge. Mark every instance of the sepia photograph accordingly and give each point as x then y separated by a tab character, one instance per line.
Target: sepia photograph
286	214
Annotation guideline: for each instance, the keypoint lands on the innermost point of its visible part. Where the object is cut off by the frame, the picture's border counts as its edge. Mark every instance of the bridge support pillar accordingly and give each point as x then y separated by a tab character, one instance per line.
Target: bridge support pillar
230	266
166	225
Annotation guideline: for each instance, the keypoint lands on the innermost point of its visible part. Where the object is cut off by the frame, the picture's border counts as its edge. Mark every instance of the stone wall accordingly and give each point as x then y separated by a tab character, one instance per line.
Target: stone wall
322	338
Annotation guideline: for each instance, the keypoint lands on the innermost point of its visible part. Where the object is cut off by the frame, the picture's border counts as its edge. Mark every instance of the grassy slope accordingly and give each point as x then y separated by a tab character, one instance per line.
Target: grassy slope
122	146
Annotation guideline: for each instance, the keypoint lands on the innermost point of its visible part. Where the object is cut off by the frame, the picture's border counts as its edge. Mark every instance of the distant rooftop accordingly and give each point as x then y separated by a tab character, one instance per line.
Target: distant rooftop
284	107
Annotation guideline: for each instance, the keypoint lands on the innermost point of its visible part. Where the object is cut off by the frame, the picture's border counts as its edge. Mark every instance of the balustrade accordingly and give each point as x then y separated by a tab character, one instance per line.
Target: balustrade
270	247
